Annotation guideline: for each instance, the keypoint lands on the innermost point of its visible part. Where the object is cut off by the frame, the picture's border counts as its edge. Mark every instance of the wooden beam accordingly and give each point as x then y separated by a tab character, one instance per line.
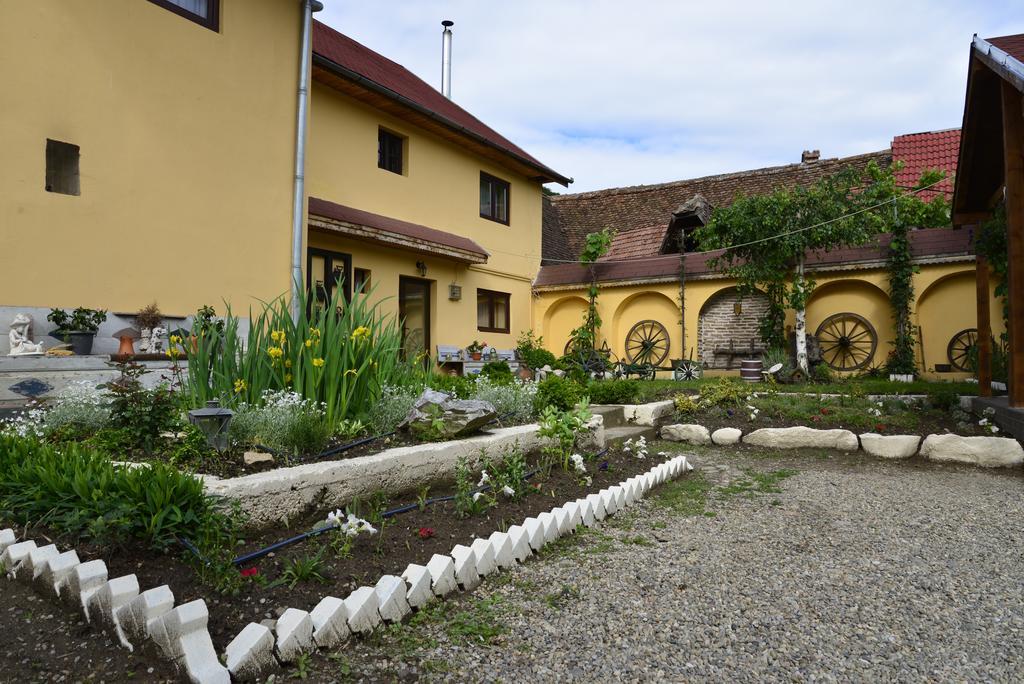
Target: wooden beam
984	342
1013	159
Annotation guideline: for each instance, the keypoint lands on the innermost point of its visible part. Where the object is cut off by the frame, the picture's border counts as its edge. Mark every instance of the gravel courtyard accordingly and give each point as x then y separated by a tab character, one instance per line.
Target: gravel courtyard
758	567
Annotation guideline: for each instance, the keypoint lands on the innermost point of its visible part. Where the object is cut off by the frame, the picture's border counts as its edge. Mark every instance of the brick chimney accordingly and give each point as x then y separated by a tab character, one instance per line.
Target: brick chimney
810	156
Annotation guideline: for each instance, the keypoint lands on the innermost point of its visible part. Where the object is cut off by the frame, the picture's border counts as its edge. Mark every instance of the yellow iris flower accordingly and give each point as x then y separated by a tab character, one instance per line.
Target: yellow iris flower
318	362
240	385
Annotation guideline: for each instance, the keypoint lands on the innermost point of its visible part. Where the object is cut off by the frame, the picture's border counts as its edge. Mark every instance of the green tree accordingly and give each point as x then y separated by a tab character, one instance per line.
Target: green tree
767	237
596	245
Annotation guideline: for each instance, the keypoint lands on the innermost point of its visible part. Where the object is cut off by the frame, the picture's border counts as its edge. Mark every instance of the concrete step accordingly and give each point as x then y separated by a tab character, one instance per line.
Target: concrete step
615	436
613	415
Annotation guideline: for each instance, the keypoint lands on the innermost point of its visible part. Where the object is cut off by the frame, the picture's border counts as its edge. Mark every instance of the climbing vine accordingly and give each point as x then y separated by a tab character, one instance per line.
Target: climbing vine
990	243
595	246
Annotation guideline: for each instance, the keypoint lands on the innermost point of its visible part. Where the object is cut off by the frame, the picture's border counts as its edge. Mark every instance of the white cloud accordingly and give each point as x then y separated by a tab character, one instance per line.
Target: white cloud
618	93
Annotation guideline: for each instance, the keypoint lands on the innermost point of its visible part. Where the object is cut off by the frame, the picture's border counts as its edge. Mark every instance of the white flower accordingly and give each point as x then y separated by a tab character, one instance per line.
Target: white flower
588	480
994	429
507	491
983	421
477	495
577	462
484	479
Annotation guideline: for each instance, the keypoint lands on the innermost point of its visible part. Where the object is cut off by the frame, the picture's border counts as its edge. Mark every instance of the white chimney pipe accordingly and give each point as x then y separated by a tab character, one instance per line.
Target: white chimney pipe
446	59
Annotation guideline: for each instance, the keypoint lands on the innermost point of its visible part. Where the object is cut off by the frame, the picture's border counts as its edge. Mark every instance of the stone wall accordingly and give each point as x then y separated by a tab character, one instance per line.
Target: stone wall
719	323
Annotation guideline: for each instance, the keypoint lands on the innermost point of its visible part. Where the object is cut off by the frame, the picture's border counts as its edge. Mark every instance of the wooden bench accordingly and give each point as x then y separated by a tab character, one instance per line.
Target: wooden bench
732	353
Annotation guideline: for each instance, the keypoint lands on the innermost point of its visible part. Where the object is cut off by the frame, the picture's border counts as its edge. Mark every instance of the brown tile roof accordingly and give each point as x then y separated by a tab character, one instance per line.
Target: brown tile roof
924	244
1011	45
394	79
640	242
920	152
643	206
394	232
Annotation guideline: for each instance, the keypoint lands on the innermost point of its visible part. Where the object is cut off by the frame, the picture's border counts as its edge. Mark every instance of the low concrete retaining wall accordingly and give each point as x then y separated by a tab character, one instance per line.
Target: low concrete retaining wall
280	494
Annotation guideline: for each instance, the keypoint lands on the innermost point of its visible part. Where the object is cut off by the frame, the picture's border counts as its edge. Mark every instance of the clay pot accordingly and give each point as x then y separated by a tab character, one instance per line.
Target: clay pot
127	346
476	356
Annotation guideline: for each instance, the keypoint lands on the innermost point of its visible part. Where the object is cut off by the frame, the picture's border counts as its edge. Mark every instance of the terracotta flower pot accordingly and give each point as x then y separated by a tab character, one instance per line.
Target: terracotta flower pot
476	356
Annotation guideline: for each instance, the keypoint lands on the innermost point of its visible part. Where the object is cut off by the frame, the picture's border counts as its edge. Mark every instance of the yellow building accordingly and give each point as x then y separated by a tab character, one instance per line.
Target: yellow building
707	320
150	155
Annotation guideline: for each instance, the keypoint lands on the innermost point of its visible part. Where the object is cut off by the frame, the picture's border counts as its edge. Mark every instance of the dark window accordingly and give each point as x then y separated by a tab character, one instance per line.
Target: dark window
389	151
62	168
494	198
203	12
326	272
492	311
361	280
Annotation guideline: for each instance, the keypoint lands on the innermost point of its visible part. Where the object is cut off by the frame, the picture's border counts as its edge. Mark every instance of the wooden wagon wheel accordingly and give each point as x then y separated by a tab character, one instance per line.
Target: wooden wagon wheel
961	349
648	343
847	341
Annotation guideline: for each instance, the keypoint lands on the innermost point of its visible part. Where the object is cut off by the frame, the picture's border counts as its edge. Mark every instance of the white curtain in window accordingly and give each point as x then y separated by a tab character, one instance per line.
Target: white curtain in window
199	7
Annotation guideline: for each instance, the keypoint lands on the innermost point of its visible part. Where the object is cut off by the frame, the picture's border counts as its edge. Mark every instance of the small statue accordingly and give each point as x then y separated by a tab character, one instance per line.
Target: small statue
156	339
21	341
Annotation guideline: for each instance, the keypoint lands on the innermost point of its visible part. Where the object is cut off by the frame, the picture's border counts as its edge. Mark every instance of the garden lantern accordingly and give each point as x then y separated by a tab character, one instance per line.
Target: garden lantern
213	420
493	354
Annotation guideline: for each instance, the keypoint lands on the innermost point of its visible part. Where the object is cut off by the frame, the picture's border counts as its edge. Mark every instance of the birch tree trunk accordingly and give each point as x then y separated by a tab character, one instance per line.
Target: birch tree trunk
801	319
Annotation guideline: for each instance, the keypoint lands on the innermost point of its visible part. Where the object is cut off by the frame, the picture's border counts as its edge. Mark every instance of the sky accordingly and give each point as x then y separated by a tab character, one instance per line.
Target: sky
629	93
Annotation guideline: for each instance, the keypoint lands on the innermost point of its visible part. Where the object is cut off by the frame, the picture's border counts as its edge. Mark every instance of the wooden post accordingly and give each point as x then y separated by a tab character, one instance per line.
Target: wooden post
1013	155
984	342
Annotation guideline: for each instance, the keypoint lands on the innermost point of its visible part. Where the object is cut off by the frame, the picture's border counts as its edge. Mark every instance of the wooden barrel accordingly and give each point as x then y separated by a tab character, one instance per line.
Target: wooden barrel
750	370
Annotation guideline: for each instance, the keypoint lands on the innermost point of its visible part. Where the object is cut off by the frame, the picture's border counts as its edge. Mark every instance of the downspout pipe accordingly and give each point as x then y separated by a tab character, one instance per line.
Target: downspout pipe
299	200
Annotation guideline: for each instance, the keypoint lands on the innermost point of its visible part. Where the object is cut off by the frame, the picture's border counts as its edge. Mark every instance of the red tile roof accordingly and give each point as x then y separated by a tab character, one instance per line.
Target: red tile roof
920	152
402	84
397	228
928	243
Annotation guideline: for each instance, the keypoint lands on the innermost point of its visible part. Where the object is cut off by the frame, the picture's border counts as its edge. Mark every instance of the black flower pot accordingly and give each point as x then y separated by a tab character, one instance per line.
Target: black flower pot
81	342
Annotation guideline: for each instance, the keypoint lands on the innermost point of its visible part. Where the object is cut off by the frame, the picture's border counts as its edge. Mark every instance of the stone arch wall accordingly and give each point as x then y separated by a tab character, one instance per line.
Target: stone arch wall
719	323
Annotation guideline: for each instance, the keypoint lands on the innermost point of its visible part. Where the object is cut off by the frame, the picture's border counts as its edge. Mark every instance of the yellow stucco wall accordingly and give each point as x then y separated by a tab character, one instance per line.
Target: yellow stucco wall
187	153
439	189
945	305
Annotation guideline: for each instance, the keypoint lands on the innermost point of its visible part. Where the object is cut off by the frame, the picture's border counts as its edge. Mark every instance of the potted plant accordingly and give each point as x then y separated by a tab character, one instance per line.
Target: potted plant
78	327
475	350
147	318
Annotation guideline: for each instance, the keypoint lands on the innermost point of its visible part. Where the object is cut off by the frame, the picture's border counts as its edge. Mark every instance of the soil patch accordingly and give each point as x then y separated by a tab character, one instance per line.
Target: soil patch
402	539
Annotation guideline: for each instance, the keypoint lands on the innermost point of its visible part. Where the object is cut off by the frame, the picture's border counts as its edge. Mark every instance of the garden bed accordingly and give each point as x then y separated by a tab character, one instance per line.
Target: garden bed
402	539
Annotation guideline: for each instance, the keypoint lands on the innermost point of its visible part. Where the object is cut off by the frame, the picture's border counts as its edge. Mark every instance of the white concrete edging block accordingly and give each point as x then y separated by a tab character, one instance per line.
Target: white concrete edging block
84	581
550	526
361	606
7	537
520	543
562	520
33	561
391	600
330	622
465	567
14	554
575	515
136	619
442	574
504	558
587	512
534	532
294	632
483	556
106	600
52	575
418	579
182	635
251	652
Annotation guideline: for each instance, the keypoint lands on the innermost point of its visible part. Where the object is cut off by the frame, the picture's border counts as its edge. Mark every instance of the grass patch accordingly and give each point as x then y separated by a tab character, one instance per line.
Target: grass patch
638	540
663	389
685	496
757	483
565	595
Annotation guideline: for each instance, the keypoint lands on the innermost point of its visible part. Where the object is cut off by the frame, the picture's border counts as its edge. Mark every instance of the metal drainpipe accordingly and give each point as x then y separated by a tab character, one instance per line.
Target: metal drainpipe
298	205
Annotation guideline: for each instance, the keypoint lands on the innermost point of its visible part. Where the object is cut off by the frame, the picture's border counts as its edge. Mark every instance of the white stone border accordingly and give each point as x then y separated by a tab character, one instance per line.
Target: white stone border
985	451
181	632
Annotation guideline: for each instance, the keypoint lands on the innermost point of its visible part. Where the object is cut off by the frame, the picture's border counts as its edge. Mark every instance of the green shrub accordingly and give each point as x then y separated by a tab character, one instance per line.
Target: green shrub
685	404
531	351
726	392
78	491
561	393
391	409
458	386
943	399
614	391
285	422
512	401
498	372
823	374
141	414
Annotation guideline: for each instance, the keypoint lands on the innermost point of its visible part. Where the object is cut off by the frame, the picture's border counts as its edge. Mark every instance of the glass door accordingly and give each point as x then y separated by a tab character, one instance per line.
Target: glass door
414	310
